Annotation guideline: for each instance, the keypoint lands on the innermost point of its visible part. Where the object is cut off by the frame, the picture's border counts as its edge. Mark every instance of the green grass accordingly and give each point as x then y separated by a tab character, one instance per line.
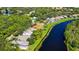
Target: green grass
38	42
72	36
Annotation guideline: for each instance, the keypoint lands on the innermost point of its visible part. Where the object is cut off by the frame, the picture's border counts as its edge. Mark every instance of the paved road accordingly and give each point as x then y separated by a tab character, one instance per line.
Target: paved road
55	40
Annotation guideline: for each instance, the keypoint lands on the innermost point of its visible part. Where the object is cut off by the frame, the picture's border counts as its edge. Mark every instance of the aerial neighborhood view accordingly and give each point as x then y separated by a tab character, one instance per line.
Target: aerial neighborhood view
39	29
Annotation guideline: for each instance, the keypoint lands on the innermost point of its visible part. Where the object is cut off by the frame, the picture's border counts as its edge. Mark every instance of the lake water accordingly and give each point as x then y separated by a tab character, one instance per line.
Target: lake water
55	40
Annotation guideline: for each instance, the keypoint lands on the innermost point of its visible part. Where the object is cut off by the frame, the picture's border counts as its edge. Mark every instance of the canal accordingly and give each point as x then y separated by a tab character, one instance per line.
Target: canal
55	40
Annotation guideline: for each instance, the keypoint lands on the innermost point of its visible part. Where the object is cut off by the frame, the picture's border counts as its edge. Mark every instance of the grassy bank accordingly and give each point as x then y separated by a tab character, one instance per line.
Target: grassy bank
72	36
38	42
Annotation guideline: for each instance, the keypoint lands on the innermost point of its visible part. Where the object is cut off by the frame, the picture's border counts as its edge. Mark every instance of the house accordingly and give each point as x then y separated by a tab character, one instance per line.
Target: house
33	20
64	16
27	33
22	43
75	15
31	12
22	39
38	26
50	20
59	17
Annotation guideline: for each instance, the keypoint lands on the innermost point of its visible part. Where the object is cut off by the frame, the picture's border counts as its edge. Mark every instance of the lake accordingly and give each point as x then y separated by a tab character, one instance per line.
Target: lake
55	40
